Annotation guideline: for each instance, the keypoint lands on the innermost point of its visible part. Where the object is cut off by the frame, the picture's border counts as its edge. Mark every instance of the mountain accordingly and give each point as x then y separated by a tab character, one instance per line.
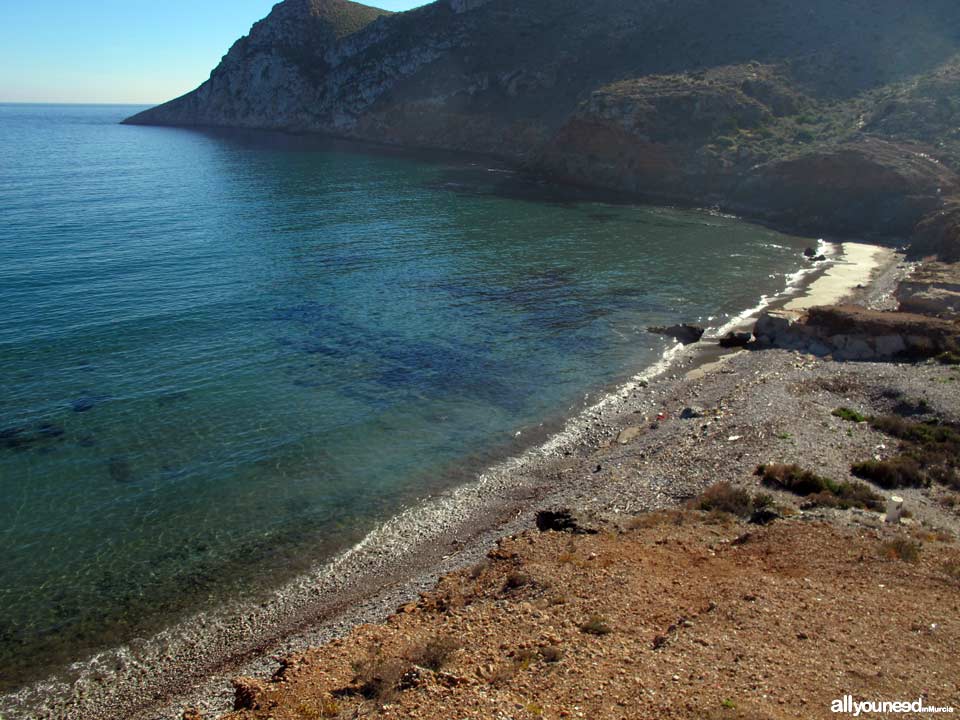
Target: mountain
832	116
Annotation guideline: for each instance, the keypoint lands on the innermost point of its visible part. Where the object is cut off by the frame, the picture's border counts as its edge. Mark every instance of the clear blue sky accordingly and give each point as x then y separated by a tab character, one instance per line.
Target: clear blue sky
120	51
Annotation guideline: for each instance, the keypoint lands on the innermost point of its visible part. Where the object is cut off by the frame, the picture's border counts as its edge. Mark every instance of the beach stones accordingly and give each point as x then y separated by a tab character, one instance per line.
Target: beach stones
684	333
628	434
691	413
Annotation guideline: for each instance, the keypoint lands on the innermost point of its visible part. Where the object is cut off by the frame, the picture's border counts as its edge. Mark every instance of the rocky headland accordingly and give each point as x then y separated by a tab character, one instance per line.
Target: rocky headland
830	117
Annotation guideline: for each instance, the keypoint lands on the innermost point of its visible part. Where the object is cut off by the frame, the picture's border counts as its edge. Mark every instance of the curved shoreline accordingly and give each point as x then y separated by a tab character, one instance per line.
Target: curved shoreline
192	662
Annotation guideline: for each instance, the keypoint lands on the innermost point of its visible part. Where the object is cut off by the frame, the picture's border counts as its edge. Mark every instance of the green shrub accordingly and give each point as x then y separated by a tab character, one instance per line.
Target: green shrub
848	414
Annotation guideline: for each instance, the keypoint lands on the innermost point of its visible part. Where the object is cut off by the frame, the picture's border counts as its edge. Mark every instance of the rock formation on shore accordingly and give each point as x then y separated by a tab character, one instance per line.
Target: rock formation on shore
832	116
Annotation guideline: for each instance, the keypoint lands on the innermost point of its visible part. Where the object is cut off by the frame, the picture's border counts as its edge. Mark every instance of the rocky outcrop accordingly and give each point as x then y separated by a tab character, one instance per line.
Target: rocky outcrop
852	332
870	186
932	289
685	334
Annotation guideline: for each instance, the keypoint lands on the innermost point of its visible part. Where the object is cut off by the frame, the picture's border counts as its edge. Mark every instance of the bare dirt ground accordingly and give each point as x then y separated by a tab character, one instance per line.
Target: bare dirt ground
670	615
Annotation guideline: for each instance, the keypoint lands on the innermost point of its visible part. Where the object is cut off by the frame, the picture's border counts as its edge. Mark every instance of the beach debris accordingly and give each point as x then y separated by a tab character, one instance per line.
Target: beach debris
735	339
562	520
684	333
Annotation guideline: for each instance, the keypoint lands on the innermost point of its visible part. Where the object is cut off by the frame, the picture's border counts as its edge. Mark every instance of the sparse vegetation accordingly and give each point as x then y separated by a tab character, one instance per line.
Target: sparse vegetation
929	452
952	569
376	677
851	415
819	491
901	548
516	580
793	478
433	654
897	472
551	654
596	625
724	497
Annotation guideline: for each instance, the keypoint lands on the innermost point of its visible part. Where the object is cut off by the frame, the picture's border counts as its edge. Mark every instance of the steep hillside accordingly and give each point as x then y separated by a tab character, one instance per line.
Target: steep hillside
745	103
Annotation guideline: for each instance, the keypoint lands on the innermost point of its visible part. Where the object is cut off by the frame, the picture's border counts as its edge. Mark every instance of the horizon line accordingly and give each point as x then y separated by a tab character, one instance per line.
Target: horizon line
71	102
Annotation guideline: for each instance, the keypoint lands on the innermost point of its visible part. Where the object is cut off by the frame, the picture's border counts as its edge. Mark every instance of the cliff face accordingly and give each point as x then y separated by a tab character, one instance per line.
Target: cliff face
741	103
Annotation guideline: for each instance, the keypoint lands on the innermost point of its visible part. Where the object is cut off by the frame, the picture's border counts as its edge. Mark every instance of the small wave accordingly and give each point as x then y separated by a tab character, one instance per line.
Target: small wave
794	285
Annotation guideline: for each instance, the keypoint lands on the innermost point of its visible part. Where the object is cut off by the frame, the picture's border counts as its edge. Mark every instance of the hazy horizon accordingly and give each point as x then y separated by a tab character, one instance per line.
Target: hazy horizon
121	53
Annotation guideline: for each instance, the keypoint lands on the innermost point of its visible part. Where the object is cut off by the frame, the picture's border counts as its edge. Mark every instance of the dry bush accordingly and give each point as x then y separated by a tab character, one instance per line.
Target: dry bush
433	654
901	548
897	472
725	498
596	625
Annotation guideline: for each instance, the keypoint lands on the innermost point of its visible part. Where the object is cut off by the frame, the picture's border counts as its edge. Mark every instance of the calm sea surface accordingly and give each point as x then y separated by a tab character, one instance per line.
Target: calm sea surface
222	354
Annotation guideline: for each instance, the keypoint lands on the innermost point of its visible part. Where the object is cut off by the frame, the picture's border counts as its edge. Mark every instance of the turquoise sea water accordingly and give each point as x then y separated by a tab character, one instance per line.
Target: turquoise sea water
226	356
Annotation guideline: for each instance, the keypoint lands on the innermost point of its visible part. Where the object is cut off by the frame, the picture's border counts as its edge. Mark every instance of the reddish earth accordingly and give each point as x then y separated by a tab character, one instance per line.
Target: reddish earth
668	615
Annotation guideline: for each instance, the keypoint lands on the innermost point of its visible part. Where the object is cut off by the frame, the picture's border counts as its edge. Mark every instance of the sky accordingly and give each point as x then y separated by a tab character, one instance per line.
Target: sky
120	51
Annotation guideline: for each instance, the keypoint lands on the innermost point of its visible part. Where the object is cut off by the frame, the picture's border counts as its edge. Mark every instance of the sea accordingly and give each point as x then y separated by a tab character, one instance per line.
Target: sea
226	356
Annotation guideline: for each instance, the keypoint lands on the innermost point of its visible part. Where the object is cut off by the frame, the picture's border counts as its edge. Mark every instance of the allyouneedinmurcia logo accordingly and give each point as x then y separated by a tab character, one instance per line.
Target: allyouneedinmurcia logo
849	706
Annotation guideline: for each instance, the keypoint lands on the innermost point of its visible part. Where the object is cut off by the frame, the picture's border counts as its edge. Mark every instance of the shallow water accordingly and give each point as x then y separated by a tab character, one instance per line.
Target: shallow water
228	355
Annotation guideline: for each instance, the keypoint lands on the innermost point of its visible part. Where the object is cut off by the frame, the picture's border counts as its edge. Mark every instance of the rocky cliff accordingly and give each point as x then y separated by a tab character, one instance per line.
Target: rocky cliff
827	115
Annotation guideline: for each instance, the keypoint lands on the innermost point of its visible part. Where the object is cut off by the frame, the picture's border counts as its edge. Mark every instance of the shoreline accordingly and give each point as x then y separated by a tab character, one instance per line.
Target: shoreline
385	570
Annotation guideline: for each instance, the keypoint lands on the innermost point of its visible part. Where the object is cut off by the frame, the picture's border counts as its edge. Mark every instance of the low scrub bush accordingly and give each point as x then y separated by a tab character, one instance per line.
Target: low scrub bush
724	497
847	414
434	654
596	625
901	549
820	491
897	472
793	478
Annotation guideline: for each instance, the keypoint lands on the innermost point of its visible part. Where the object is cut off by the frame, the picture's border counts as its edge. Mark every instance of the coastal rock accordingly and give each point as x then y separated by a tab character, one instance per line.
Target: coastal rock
868	186
685	334
852	332
735	339
932	289
691	413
